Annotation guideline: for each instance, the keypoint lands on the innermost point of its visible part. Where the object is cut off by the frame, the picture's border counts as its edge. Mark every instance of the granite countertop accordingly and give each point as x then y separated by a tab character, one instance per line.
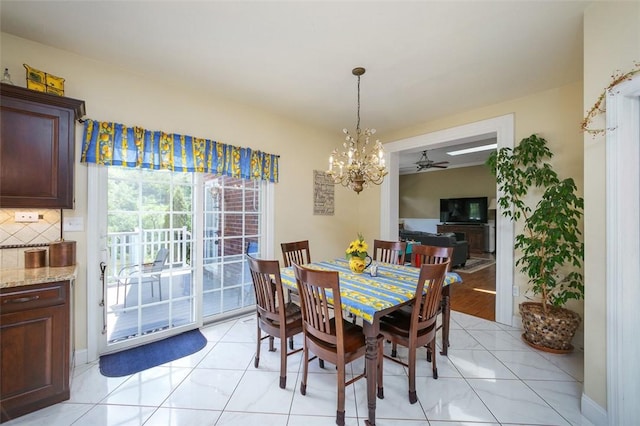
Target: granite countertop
15	277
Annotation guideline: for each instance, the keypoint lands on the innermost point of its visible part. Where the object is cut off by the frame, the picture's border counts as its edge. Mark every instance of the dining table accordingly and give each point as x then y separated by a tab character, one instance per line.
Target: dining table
371	297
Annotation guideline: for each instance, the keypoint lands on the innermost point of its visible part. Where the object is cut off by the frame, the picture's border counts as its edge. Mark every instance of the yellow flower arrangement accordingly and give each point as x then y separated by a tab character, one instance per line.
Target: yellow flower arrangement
357	248
356	253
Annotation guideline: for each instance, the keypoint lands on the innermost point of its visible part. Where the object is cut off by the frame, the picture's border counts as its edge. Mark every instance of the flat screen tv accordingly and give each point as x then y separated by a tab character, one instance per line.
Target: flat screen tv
464	210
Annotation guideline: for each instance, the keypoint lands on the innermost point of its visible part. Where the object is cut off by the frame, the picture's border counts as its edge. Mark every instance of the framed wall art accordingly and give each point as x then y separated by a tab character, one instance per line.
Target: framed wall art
323	194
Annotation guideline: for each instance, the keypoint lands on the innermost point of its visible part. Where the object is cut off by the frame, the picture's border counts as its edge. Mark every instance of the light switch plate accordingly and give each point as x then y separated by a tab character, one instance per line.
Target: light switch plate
73	224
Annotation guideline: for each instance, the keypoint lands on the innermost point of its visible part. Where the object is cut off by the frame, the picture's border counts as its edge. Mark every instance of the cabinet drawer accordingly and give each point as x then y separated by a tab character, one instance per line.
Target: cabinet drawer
37	296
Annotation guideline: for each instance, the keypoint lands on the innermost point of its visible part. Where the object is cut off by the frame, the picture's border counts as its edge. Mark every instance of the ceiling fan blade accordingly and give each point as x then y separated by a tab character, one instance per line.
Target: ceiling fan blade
440	167
440	163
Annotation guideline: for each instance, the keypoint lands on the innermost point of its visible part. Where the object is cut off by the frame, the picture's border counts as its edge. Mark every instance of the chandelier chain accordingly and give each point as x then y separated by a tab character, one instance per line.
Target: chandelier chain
358	121
361	164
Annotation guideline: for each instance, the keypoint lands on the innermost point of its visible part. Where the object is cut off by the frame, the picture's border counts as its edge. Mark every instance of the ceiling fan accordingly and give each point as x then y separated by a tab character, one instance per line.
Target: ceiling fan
425	163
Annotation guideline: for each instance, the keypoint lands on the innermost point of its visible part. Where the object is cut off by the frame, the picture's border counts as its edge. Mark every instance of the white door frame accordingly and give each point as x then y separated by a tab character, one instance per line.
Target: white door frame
97	251
623	251
502	128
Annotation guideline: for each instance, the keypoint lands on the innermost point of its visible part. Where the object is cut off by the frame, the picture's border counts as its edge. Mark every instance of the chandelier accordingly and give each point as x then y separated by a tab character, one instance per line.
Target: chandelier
360	163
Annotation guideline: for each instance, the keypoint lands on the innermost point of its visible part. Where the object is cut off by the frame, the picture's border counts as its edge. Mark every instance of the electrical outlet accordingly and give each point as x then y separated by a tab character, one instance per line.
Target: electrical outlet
26	217
516	291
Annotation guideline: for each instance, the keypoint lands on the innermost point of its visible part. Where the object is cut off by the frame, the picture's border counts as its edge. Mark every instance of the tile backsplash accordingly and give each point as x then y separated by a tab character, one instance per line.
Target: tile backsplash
46	230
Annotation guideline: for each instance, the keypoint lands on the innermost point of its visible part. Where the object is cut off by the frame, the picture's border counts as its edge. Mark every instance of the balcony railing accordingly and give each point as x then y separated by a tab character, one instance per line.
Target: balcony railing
141	246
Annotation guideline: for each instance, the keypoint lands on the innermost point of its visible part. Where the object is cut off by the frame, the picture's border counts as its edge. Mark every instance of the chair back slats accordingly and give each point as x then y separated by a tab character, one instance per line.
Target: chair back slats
432	277
389	251
319	293
421	254
267	286
160	260
296	252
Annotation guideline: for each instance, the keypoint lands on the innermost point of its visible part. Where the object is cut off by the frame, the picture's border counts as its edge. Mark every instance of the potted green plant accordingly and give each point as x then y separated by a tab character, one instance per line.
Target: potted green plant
551	251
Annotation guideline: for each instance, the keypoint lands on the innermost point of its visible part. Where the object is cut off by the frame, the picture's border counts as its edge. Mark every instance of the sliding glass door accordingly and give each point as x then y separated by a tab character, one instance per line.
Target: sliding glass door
232	227
174	251
150	273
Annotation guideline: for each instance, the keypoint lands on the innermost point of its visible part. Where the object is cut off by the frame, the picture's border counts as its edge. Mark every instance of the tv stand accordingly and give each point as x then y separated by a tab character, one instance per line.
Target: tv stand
476	234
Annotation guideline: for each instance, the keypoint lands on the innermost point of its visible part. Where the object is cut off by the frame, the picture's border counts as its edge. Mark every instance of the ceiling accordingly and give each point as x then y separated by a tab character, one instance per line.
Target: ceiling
424	59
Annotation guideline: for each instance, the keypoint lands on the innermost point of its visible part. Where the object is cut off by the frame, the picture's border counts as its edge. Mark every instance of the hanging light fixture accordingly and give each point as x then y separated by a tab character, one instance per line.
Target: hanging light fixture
359	164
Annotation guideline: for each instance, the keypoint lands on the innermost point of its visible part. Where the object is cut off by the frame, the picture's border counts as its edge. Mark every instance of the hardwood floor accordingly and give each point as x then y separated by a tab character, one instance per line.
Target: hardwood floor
477	294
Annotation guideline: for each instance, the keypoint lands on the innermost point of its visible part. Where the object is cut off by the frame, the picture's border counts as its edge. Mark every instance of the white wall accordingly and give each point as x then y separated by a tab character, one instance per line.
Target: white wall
113	94
554	114
611	43
420	224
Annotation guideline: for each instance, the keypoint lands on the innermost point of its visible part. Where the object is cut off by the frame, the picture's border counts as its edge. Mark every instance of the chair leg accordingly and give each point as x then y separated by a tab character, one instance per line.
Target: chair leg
271	347
394	350
341	394
291	342
429	348
305	369
283	361
256	361
434	368
413	398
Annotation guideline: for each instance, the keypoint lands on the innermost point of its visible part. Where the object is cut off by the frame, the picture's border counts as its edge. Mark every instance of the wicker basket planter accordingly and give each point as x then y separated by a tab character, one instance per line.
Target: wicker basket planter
552	332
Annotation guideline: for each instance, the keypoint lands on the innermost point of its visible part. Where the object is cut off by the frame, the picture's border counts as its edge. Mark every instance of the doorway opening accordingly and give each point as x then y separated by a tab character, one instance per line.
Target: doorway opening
502	129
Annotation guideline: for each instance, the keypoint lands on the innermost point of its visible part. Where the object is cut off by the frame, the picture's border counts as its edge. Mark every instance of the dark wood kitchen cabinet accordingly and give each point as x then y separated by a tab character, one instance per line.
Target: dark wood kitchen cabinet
34	347
37	147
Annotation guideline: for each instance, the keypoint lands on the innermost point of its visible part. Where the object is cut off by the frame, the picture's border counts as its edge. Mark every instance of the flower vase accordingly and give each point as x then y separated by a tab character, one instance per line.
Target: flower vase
358	265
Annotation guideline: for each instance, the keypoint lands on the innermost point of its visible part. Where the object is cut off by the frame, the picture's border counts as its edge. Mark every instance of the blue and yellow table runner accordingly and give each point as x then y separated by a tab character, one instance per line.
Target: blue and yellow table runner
364	295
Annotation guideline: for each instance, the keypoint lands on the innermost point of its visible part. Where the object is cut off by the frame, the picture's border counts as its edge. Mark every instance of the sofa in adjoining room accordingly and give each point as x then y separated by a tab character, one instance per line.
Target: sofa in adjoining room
448	239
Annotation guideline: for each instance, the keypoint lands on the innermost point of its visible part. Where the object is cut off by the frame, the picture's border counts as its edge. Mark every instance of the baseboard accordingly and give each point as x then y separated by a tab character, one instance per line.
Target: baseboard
516	321
81	357
578	340
593	412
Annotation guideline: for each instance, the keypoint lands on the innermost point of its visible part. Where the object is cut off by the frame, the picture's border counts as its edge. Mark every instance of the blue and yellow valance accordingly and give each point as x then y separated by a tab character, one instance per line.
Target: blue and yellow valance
114	144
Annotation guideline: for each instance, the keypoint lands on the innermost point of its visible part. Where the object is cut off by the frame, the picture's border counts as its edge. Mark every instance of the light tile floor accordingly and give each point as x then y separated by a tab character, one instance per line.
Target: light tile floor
490	377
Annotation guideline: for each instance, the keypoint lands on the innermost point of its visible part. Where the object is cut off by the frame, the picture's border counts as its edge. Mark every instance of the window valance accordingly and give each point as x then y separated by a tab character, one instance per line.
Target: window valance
114	144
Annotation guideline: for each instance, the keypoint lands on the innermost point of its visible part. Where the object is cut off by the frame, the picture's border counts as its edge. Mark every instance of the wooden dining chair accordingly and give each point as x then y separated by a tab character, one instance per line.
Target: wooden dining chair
421	254
425	254
418	327
326	334
275	317
296	252
389	251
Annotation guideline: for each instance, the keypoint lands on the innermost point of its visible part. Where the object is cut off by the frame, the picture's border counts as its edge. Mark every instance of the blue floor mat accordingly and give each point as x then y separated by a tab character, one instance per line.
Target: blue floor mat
134	360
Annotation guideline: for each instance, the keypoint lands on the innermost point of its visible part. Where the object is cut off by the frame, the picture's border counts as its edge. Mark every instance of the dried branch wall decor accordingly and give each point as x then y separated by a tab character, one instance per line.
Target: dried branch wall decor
598	108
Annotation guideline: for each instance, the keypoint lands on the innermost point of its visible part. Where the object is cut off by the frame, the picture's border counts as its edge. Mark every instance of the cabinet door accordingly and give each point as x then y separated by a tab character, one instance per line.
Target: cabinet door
37	135
476	240
34	356
475	235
